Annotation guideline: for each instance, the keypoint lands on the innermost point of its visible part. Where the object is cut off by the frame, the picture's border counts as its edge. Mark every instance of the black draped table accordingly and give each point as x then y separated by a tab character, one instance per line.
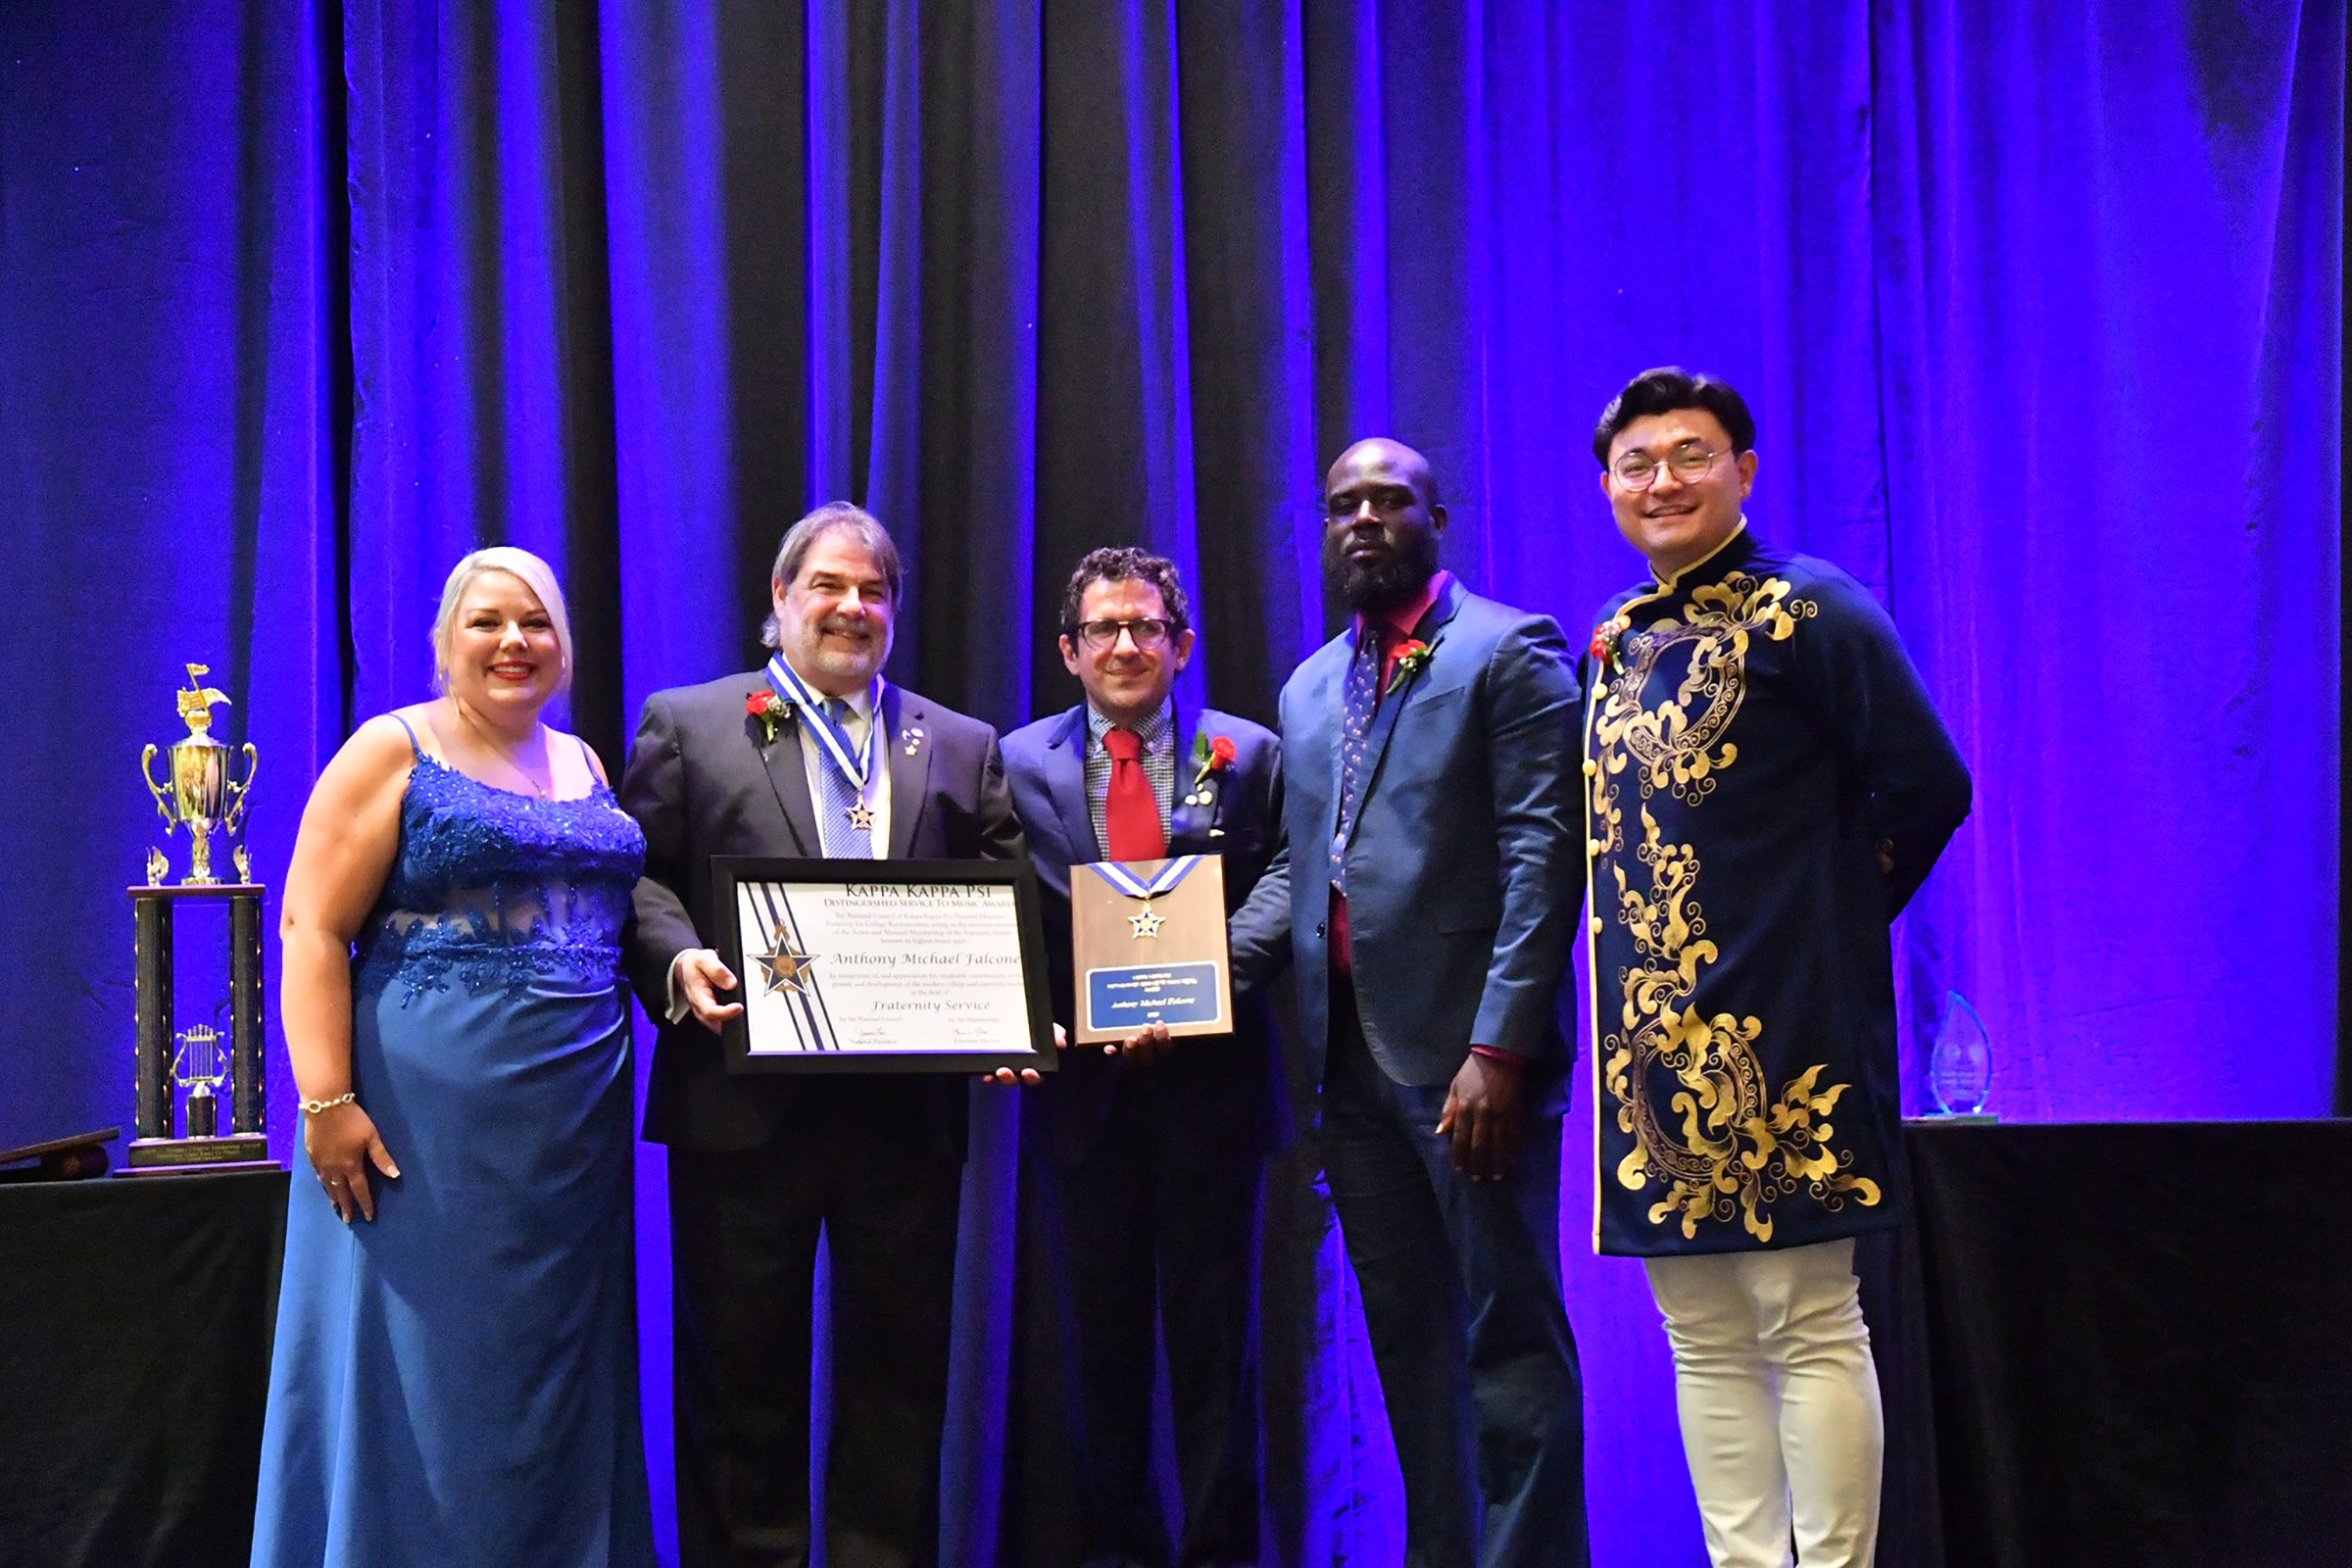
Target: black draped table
135	1317
2136	1343
2113	1345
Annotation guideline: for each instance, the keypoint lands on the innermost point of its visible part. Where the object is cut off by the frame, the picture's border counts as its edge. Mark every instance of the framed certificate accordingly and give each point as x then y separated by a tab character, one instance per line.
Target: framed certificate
883	965
1148	946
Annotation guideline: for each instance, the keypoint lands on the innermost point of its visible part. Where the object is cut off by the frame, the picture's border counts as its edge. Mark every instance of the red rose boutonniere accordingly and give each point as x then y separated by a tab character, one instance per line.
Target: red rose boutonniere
1605	641
769	710
1211	755
1412	655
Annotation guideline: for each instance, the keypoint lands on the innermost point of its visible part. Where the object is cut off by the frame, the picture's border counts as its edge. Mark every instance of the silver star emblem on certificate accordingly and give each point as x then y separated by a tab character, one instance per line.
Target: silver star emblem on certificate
861	816
1146	924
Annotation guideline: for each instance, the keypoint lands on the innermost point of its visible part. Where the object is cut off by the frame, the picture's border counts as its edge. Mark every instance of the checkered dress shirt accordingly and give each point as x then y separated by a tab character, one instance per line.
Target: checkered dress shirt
1159	765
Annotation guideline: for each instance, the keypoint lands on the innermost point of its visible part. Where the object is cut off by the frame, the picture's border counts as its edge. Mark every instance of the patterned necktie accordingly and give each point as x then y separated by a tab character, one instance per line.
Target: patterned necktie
841	804
1130	808
1359	700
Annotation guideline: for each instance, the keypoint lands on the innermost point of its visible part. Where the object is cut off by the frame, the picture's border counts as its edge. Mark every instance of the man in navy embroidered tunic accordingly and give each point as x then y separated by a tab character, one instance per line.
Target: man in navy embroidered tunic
1767	784
1429	897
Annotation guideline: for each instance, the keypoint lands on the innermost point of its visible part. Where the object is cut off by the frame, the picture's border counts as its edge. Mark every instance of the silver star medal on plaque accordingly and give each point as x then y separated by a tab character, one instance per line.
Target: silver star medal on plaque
787	967
861	815
1146	924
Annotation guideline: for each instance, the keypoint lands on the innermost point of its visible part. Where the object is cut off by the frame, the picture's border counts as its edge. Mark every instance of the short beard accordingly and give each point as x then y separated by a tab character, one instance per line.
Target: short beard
1376	590
839	664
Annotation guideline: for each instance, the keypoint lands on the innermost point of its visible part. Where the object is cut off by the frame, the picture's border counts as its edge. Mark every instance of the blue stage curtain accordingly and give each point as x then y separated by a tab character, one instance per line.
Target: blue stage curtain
2110	290
176	427
2040	309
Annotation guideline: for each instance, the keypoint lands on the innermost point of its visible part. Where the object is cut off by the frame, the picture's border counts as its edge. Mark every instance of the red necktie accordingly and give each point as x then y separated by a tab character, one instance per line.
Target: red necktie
1130	811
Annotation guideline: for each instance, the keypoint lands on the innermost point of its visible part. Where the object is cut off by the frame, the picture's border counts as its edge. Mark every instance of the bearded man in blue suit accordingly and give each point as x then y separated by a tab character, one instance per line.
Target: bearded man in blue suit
1430	885
1140	1168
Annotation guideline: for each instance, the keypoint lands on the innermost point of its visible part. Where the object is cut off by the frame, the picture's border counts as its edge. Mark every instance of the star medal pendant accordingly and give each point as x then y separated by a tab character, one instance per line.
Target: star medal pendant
861	816
1146	924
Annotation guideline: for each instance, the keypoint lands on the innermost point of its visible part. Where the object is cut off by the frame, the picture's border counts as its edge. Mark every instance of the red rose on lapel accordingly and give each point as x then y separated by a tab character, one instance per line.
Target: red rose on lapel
1412	655
1604	640
1211	755
769	710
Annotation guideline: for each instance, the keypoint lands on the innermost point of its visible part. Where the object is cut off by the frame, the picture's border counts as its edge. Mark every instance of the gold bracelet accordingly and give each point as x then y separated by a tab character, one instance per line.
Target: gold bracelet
312	1107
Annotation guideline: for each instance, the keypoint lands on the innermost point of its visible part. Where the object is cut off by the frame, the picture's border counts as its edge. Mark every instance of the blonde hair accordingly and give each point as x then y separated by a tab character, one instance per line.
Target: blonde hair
532	572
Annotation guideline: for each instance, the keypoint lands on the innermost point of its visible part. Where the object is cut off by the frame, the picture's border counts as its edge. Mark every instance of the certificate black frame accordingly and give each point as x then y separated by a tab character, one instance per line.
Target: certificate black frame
729	871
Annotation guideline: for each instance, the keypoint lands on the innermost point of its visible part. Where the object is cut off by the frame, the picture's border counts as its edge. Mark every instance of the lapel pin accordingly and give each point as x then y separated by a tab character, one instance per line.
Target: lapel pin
914	741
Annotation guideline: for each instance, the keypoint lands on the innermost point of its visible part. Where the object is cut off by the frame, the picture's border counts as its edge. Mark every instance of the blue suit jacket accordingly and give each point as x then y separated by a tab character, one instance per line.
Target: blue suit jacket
1045	766
1464	873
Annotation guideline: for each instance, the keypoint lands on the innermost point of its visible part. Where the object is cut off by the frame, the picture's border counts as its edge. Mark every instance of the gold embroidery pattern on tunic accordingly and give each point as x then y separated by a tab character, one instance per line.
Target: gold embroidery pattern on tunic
1724	1145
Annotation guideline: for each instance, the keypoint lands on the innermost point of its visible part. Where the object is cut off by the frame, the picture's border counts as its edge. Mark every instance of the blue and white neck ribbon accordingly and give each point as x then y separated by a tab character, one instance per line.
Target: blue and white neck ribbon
832	738
1134	887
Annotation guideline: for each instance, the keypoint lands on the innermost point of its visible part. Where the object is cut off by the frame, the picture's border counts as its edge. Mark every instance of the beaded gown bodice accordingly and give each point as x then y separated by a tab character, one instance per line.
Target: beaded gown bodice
456	1379
493	888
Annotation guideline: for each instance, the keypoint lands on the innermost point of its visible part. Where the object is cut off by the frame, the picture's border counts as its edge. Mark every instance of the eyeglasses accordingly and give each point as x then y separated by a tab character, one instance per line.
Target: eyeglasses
1690	462
1148	632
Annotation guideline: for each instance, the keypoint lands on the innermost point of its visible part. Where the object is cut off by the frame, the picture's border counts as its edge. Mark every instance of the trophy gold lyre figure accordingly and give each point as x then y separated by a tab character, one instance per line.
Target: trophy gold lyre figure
201	794
201	1068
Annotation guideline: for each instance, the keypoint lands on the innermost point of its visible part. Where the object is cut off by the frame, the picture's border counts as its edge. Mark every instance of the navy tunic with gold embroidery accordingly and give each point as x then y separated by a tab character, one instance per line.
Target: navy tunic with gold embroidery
1766	786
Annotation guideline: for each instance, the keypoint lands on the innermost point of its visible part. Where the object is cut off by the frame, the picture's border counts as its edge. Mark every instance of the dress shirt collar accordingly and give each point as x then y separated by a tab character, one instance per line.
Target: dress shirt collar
1401	620
1159	731
862	701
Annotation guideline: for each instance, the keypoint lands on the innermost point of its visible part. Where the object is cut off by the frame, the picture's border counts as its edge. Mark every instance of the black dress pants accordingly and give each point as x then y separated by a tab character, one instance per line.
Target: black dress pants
858	1163
1151	1234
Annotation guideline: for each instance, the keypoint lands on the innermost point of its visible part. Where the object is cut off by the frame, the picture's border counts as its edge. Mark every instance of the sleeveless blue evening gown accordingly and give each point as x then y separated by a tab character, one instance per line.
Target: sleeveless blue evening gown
455	1384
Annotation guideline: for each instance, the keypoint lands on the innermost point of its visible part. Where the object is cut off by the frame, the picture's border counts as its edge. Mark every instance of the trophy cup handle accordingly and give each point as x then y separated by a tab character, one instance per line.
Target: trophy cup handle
240	790
163	797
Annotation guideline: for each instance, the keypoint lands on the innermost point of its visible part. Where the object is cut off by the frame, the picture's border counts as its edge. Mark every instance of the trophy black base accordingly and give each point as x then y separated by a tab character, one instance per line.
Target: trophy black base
165	1156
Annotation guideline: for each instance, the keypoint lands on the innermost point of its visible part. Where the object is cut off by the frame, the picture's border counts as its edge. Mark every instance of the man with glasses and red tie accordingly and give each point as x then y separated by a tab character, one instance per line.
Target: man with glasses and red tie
1427	898
1141	1164
1766	785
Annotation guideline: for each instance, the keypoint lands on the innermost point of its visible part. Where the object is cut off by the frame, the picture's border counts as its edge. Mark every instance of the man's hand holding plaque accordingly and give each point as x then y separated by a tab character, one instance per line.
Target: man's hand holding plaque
1148	940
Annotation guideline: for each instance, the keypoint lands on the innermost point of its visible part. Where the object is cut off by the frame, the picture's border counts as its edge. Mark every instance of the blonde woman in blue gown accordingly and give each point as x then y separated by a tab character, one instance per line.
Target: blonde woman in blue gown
455	1374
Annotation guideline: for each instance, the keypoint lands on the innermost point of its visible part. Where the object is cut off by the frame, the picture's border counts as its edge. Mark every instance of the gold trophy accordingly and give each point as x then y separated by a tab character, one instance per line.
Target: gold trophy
203	795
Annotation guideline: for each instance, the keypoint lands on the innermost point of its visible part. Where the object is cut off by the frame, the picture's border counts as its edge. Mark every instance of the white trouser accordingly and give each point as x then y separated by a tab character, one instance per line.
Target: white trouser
1779	1402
